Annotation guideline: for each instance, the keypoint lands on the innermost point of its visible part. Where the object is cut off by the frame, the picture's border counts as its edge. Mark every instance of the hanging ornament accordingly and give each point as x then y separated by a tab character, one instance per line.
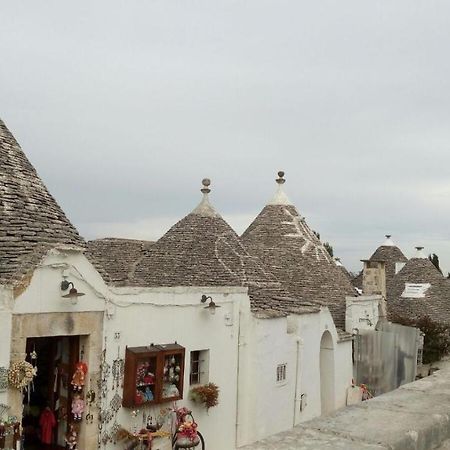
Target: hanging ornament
118	370
78	378
3	379
78	406
21	374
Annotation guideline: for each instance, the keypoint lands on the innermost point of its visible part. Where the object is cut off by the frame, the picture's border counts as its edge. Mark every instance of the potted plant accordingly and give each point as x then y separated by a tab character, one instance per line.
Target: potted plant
206	394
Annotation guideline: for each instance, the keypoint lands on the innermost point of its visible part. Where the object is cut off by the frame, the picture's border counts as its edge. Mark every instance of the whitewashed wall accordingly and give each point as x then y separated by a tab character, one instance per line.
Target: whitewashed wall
265	406
310	328
362	313
5	332
167	315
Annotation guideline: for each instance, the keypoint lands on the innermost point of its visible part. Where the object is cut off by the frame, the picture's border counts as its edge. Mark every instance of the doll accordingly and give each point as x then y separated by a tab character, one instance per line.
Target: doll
77	407
79	376
71	438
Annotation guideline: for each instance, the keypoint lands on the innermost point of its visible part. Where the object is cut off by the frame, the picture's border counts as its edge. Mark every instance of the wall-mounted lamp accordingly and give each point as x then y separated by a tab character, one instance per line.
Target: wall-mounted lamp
211	305
73	293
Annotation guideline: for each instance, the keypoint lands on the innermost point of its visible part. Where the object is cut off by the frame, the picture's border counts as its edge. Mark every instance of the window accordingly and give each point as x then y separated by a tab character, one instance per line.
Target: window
281	372
415	290
199	372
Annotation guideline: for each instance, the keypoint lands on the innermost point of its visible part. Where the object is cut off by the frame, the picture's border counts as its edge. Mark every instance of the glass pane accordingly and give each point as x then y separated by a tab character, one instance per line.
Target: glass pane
171	376
145	381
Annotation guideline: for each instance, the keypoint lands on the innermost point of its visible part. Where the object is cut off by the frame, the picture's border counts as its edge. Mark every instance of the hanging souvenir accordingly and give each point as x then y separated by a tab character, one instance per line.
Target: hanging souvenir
71	438
3	379
90	398
78	406
104	375
118	370
21	374
78	378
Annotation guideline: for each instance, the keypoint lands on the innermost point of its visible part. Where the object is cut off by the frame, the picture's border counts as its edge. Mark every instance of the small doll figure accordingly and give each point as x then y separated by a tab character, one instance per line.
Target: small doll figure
139	397
71	438
149	378
77	407
79	376
148	394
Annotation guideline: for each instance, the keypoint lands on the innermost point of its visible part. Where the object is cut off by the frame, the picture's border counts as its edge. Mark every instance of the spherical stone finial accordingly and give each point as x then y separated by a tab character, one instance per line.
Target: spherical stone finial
280	179
206	182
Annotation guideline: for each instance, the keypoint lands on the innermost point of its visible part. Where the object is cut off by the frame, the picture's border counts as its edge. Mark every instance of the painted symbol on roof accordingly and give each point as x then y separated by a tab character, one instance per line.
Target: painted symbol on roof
302	231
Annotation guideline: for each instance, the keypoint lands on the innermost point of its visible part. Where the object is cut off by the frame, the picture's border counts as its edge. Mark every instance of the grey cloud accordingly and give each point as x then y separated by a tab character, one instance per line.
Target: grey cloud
124	107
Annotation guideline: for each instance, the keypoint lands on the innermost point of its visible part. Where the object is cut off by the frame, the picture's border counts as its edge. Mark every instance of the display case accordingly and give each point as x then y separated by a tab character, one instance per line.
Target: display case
153	374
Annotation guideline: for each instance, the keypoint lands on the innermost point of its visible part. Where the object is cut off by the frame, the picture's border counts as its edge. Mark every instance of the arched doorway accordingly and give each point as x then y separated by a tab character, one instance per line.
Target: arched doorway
326	373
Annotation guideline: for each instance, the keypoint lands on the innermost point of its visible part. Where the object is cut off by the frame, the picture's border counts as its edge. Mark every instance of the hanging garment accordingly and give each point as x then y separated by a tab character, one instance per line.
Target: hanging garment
47	421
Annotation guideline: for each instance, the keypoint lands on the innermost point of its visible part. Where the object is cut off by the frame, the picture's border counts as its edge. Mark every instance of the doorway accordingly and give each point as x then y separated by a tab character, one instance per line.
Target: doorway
46	410
326	373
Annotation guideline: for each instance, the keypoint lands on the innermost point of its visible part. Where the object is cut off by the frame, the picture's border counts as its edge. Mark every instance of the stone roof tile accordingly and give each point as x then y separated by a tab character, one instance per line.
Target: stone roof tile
436	300
281	238
116	259
30	218
203	250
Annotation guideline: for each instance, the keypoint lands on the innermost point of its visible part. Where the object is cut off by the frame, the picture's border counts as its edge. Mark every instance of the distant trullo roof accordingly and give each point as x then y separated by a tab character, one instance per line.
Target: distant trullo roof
203	250
30	218
419	289
281	238
390	254
116	258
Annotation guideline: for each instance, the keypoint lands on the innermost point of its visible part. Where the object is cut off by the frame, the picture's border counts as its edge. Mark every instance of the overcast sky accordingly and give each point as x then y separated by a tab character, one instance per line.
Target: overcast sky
124	106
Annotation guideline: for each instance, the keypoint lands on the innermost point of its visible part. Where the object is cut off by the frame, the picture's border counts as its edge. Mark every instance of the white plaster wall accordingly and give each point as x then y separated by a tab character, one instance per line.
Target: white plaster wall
343	372
311	328
44	294
362	313
265	407
271	403
5	332
166	316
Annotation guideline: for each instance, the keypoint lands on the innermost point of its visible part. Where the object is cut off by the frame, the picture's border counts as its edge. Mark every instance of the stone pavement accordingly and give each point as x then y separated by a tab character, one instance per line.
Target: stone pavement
414	417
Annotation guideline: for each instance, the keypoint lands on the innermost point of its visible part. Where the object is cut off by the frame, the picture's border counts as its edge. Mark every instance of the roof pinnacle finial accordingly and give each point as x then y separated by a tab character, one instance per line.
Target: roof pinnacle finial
388	236
420	253
280	198
280	179
206	183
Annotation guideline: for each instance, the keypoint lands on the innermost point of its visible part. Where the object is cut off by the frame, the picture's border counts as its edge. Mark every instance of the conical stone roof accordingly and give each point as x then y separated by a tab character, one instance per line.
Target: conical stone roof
281	238
30	218
390	254
420	300
203	250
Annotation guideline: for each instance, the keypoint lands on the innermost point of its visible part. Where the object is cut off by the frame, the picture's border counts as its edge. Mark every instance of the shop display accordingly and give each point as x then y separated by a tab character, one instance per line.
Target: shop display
78	378
71	438
78	406
153	374
21	374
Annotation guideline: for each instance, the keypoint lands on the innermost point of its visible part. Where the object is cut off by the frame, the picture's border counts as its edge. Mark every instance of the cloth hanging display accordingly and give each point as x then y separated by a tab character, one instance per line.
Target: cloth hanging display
47	422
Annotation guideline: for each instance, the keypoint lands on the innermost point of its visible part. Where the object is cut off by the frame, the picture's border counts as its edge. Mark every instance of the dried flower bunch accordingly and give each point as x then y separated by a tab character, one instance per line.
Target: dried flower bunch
208	394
